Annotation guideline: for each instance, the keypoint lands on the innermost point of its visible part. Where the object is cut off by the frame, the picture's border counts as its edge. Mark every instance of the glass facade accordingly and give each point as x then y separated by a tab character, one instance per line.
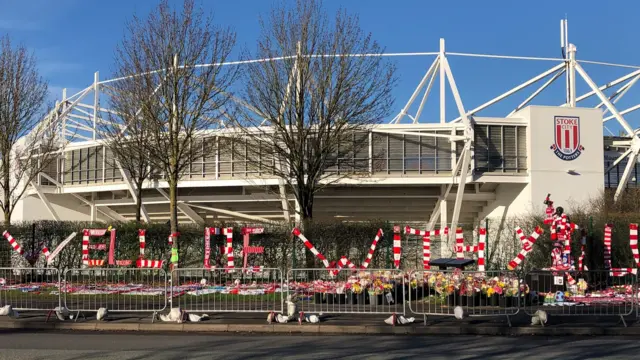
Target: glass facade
497	149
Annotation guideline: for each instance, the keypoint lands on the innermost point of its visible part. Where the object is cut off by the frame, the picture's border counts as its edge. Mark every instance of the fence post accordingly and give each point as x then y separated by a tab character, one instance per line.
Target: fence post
486	243
293	256
388	245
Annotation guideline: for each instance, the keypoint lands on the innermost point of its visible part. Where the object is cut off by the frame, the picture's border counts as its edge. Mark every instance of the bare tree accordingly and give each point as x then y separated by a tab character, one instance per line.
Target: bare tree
28	143
312	109
179	101
127	135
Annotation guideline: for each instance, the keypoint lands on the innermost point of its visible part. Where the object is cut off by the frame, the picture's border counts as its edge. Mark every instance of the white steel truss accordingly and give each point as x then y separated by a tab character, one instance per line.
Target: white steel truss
78	117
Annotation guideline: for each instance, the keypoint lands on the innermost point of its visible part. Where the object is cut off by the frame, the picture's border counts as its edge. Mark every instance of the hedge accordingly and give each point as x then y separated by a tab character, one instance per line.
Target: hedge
351	239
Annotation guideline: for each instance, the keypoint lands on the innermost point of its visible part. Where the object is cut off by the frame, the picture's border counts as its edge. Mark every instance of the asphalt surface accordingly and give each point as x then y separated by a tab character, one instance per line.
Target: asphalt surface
124	346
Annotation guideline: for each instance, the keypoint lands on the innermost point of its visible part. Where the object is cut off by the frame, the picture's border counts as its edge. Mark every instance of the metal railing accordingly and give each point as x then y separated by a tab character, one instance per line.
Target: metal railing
30	289
585	293
348	291
489	293
220	290
118	290
370	291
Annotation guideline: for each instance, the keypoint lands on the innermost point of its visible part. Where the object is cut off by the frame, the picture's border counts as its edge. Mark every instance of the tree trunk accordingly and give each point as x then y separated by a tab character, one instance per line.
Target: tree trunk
306	217
173	205
139	203
173	210
5	249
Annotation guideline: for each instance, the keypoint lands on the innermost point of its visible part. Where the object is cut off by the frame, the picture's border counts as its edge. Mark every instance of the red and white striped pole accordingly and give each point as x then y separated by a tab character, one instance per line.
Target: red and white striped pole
397	246
311	248
229	248
521	235
372	249
426	252
633	242
45	251
142	238
619	272
526	248
14	244
557	258
459	244
607	246
482	241
149	264
85	247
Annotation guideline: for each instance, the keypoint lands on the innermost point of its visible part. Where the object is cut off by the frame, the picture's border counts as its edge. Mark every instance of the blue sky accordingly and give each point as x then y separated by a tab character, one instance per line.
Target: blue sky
72	39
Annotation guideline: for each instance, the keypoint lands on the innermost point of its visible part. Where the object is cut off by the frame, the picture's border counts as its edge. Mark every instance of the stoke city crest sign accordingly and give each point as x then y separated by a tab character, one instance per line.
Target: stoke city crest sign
566	144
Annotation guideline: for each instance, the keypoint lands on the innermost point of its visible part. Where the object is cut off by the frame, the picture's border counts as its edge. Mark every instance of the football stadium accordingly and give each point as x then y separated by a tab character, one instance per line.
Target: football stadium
457	168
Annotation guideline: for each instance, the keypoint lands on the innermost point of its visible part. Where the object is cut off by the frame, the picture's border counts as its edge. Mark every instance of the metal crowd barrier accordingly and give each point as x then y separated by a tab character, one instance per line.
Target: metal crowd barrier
219	290
30	289
357	291
488	293
118	290
584	293
348	291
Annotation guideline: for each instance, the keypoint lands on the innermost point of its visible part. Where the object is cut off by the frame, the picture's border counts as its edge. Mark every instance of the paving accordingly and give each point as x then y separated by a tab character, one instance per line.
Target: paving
76	345
333	324
63	345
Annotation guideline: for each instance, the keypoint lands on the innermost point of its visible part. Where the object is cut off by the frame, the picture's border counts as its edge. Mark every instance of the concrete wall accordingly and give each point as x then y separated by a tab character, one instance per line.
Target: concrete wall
571	180
68	209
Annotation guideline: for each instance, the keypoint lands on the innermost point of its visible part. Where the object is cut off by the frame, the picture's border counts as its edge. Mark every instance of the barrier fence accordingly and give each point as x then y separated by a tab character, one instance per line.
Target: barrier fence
591	293
587	293
118	290
30	289
490	293
370	291
220	290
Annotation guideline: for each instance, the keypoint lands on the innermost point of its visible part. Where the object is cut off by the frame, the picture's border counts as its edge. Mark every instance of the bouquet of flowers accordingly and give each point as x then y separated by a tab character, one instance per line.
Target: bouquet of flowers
377	287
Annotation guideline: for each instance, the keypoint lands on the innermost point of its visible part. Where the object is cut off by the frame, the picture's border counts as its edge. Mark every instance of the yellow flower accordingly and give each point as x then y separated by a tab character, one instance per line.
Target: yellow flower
490	291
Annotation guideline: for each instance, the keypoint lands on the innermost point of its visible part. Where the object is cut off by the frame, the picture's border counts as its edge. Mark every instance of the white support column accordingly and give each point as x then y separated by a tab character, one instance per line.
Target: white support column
427	92
185	209
283	200
441	57
514	90
572	74
623	112
96	102
444	246
537	92
108	212
298	217
618	94
605	100
618	160
416	92
63	127
606	86
632	161
132	190
45	201
93	208
235	214
466	160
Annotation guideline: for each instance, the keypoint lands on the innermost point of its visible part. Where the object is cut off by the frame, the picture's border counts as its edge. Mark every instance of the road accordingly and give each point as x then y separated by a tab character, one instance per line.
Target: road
129	346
